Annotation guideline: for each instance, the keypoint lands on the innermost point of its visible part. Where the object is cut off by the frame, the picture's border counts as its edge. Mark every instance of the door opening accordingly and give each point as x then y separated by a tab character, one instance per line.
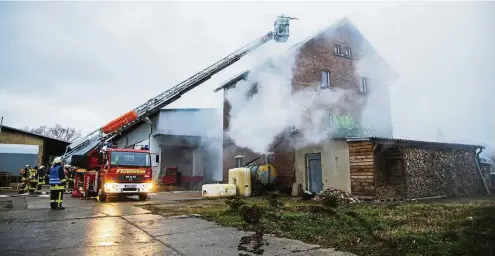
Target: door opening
314	175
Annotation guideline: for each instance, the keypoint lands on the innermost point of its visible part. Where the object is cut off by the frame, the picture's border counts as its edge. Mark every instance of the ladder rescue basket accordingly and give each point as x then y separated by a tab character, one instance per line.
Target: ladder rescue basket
120	121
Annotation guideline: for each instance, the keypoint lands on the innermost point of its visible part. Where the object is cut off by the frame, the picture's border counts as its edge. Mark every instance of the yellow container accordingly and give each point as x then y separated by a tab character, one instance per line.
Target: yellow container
241	177
218	190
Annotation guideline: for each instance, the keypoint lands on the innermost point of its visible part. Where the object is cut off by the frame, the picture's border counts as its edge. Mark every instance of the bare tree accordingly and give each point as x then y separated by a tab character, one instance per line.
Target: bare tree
57	132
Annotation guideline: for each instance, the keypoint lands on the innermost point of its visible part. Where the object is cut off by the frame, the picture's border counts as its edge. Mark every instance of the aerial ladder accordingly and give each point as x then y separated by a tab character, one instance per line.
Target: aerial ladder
97	138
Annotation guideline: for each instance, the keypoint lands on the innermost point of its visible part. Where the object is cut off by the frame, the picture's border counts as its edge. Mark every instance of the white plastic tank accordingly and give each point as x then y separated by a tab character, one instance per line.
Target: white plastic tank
218	190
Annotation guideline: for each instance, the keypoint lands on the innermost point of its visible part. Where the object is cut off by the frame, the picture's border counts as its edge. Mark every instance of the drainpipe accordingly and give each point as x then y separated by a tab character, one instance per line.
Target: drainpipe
126	139
479	170
151	131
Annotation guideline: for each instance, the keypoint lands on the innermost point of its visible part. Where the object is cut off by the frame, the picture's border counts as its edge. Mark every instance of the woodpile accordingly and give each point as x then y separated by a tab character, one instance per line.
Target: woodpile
414	171
385	192
390	173
342	196
435	172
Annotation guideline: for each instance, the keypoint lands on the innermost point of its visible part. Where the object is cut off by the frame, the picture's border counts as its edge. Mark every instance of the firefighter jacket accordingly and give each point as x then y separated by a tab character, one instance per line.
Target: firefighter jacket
32	174
57	175
41	173
24	173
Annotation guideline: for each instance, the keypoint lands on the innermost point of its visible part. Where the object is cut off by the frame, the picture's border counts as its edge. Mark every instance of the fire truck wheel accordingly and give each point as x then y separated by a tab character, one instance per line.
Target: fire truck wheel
102	196
143	196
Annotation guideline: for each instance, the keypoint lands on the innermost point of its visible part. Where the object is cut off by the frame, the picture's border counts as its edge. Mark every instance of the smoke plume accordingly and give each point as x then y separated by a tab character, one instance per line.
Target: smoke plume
264	105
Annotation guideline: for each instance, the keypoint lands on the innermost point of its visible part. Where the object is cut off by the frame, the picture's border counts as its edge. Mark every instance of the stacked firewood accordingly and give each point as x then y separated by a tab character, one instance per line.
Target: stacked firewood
385	192
426	172
342	196
434	172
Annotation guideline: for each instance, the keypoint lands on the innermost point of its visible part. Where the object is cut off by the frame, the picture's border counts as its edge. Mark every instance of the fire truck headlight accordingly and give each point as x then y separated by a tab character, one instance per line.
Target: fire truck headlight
109	186
148	186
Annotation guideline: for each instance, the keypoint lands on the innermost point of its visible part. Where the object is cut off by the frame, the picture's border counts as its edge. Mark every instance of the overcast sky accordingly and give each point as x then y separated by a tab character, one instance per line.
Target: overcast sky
83	64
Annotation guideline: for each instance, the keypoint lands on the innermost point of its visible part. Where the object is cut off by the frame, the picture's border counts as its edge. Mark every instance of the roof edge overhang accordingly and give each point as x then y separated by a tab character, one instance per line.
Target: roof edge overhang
397	141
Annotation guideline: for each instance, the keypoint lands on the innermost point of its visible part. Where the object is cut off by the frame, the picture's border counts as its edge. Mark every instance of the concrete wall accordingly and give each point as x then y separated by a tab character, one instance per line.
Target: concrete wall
334	164
190	122
13	137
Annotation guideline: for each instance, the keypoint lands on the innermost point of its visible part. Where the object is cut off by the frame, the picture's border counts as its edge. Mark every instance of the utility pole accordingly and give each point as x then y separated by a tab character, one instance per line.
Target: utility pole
1	124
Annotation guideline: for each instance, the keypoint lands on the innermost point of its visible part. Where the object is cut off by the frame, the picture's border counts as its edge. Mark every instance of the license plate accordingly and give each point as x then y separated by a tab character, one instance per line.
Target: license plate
130	186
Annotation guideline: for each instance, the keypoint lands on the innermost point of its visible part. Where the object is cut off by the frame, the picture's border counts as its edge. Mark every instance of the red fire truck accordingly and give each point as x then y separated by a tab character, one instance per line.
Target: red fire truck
114	171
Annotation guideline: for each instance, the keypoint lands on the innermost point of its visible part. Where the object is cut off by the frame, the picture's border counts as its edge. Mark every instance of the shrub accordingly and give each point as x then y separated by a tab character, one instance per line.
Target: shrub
235	204
330	201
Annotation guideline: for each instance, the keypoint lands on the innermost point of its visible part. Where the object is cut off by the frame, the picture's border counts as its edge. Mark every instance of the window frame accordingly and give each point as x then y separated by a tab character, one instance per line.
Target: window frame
348	52
336	48
328	77
363	85
331	120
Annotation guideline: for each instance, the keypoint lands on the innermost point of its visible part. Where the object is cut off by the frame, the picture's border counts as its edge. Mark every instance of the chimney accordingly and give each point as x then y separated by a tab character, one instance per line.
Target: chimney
269	158
239	161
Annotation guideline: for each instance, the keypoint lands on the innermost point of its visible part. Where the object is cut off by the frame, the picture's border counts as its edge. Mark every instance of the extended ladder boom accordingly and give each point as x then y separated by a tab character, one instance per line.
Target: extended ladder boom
153	105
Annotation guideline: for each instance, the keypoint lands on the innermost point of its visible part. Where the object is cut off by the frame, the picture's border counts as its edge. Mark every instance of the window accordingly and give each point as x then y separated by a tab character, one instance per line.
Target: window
348	52
363	85
135	159
336	49
330	121
325	79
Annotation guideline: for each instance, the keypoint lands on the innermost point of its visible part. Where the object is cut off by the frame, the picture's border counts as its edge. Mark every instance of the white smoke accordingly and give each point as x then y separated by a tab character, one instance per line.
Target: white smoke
255	121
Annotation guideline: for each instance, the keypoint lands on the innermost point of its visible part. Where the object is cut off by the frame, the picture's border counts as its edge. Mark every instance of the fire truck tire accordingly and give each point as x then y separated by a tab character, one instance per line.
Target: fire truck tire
102	196
143	196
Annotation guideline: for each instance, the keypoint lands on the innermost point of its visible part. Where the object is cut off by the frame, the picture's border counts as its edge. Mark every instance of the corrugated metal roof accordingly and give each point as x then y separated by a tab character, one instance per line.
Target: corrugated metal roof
400	140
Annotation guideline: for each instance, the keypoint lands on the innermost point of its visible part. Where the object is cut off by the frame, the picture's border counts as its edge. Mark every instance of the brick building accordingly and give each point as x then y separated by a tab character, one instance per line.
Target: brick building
337	58
14	139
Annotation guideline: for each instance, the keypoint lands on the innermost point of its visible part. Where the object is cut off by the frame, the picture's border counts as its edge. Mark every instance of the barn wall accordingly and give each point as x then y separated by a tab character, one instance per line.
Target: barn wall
15	137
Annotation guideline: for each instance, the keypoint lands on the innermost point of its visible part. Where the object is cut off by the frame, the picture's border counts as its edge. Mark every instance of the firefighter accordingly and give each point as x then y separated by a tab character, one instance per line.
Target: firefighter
24	179
57	184
41	178
33	179
70	177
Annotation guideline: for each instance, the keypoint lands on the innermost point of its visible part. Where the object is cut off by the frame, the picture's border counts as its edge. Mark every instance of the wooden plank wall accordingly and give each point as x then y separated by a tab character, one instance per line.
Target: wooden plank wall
362	168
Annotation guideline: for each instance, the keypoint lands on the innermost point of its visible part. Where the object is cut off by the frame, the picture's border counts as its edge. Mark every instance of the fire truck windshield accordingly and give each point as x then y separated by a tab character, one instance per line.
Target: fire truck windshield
130	159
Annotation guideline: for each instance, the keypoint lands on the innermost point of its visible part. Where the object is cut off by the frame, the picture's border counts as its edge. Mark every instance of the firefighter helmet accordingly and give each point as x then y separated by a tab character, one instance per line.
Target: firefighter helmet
57	160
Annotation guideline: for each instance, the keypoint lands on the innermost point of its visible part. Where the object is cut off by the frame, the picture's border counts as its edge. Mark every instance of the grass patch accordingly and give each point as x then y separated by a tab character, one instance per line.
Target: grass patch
433	228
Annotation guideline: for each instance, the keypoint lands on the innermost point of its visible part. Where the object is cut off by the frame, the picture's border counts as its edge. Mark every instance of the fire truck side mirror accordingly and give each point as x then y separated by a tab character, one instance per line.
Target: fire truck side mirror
157	158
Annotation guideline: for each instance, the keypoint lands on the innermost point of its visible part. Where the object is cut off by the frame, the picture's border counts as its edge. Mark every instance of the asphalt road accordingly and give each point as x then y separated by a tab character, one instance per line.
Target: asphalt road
29	227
